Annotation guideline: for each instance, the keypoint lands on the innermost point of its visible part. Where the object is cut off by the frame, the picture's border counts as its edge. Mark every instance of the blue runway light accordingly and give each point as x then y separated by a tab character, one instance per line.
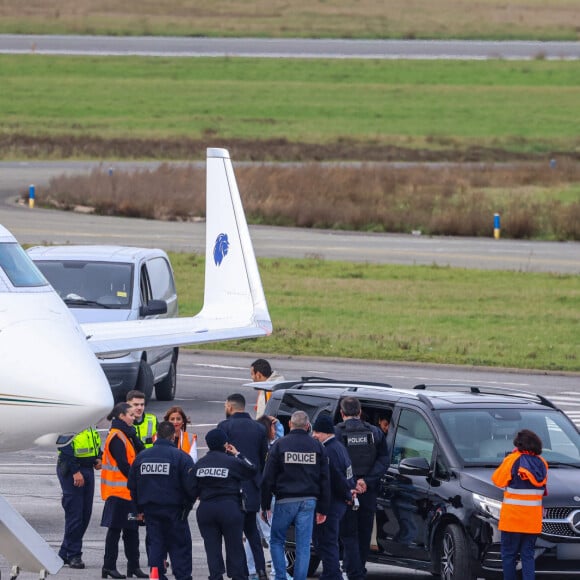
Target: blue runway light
496	226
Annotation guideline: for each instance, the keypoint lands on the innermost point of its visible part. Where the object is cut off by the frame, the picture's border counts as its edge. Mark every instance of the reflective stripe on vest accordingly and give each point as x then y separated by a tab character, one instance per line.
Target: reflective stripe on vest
146	429
113	482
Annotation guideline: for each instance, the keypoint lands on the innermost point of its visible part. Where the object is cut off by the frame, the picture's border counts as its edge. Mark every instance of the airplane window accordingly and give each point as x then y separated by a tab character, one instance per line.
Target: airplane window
19	268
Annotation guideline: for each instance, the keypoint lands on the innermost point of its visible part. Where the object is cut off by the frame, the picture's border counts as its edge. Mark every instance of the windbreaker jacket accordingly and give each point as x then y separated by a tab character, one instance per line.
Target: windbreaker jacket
523	477
297	467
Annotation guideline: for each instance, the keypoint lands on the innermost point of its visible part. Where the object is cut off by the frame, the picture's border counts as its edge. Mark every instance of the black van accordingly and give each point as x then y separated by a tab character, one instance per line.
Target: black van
438	509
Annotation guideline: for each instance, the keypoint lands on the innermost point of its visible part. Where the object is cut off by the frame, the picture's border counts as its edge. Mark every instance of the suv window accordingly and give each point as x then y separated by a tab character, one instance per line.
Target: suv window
413	438
486	435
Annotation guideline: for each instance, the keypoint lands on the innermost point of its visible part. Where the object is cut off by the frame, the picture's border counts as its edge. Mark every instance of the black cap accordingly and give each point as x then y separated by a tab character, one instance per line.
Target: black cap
216	439
323	424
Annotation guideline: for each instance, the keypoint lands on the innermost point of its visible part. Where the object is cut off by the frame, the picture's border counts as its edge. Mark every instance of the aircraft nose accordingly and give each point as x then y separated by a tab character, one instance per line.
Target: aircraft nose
54	380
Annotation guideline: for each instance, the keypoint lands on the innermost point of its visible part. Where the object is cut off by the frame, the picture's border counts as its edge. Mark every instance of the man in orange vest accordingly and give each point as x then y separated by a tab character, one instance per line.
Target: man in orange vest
523	474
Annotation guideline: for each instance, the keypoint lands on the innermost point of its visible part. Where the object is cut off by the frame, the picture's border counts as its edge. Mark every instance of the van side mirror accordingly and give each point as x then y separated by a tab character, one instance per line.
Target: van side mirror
414	466
153	307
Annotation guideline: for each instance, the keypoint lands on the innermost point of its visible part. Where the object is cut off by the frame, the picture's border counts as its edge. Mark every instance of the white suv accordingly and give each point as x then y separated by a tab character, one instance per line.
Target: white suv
114	283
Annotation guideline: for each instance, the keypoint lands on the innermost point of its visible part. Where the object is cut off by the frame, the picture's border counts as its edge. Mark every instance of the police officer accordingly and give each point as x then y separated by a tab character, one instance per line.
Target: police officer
297	475
342	485
160	481
366	446
75	470
217	482
145	423
250	438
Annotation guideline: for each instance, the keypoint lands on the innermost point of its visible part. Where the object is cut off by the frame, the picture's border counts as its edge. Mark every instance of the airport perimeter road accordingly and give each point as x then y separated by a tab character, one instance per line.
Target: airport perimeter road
287	47
29	483
39	226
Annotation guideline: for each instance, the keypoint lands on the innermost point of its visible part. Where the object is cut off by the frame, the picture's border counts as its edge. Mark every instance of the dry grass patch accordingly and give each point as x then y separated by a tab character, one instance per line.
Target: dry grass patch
446	199
541	19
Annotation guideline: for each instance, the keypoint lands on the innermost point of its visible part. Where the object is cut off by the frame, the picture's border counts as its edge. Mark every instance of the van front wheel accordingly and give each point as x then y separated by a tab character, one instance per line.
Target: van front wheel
145	380
165	389
454	555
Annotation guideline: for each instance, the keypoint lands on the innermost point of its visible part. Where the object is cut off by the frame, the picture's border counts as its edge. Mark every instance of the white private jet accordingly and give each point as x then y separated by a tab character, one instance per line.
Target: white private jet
50	379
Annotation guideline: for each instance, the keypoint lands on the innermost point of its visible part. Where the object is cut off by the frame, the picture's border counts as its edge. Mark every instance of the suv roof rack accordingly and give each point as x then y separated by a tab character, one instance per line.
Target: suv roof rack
490	390
347	384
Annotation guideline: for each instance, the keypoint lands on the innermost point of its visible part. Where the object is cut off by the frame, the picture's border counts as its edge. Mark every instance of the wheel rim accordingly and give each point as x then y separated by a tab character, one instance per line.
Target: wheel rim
173	372
448	557
290	559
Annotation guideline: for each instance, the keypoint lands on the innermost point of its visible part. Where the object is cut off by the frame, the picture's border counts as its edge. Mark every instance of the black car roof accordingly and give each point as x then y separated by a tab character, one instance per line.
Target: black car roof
433	396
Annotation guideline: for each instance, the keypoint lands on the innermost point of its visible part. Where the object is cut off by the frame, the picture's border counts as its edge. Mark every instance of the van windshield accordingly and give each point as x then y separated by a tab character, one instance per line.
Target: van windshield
84	284
485	436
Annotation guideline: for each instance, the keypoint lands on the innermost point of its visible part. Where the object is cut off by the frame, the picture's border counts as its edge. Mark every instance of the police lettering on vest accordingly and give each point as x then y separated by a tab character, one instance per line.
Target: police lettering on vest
155	468
221	472
302	458
359	440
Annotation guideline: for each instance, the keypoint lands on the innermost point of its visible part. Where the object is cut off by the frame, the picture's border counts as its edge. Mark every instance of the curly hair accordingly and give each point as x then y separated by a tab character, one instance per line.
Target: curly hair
526	440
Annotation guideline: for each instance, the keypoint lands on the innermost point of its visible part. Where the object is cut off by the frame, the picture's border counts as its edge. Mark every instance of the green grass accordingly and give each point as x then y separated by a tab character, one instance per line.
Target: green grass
530	106
409	313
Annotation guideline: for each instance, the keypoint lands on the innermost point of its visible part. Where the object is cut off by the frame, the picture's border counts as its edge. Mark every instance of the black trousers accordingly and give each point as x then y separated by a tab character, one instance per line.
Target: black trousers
167	533
217	520
131	543
253	536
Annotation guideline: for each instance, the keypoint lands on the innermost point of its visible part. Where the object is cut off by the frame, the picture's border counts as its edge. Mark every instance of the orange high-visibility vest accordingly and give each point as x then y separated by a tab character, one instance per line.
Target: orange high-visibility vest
188	444
113	482
521	509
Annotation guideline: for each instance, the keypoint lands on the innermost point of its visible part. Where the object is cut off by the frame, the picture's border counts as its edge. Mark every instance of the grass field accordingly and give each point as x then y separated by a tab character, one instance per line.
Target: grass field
409	313
490	19
530	107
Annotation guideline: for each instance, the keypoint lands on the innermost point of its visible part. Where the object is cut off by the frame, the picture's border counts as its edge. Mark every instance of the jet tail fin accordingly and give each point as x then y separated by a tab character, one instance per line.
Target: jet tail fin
234	302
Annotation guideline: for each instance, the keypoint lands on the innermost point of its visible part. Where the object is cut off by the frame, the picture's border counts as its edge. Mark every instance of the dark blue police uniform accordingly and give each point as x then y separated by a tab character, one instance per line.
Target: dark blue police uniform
367	449
217	483
326	535
77	501
250	439
160	481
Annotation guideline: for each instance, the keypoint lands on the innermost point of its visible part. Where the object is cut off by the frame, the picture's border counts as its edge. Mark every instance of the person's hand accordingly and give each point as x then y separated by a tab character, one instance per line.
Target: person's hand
361	486
320	518
231	449
266	516
78	479
98	464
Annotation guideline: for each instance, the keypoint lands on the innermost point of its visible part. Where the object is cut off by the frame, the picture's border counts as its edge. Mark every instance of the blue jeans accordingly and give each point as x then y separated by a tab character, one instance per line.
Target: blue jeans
301	514
512	544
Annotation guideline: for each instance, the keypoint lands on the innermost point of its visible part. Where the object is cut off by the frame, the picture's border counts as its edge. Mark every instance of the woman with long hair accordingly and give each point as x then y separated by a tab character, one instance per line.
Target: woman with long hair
121	448
183	440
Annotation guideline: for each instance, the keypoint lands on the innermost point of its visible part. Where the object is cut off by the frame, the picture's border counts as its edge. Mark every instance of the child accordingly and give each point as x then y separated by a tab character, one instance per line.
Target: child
523	475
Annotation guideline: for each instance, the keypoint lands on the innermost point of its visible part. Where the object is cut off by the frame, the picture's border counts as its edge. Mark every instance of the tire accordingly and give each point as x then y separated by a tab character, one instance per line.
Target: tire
165	389
453	552
145	380
291	559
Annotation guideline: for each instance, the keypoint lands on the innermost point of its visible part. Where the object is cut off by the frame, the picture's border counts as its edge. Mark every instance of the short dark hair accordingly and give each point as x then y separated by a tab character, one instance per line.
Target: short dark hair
526	440
261	365
237	401
350	407
118	410
135	394
165	430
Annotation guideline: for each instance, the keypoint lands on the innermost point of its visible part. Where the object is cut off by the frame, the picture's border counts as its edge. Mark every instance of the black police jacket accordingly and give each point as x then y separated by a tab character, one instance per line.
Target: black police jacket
250	439
218	475
341	475
367	448
297	466
161	475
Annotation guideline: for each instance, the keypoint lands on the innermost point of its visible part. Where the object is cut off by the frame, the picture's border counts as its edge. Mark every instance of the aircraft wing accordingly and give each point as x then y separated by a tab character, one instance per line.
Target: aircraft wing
234	302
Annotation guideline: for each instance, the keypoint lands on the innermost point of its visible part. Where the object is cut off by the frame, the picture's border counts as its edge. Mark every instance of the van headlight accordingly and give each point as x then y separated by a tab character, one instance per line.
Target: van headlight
113	355
490	507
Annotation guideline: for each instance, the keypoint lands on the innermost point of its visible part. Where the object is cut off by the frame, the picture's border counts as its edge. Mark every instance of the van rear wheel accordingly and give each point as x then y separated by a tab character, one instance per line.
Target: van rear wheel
165	389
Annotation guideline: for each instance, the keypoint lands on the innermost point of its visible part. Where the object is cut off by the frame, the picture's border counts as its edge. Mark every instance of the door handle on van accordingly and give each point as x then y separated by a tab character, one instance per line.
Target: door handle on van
153	307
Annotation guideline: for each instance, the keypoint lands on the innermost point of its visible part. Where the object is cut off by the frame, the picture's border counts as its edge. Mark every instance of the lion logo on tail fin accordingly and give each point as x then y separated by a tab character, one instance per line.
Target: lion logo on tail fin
220	249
